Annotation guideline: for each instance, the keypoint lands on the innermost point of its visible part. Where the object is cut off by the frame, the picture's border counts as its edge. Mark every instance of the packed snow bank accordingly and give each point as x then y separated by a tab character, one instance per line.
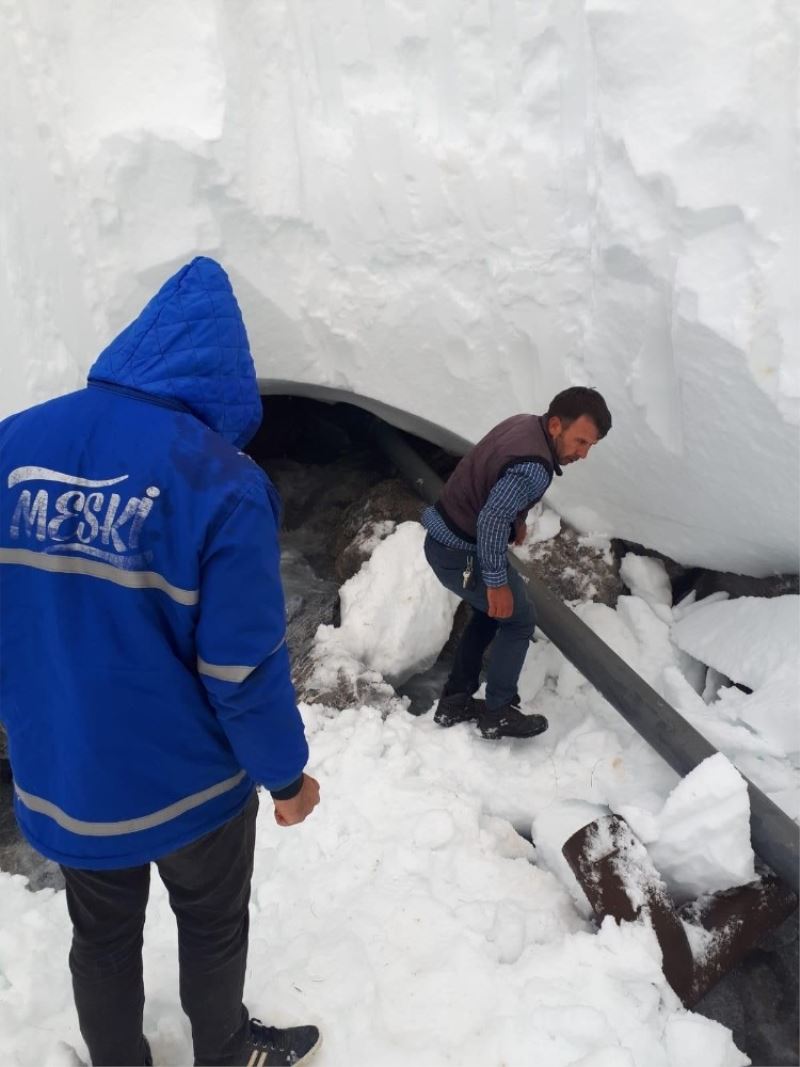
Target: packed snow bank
454	209
748	639
754	641
395	614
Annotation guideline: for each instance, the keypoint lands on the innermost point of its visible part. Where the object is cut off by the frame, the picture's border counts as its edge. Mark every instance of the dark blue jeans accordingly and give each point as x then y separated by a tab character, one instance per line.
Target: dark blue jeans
509	638
209	892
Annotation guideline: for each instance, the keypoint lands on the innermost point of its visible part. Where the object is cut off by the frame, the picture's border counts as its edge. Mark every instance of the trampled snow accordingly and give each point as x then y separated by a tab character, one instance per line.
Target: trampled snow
453	209
405	917
409	917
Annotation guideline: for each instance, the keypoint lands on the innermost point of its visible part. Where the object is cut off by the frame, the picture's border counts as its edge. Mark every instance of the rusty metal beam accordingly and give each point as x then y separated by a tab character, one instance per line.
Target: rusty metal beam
620	880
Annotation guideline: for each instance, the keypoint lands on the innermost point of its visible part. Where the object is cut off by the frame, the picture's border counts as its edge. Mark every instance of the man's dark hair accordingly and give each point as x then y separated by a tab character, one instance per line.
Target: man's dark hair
581	400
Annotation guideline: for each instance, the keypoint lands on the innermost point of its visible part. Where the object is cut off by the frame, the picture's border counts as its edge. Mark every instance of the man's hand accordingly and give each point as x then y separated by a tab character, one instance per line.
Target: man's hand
501	601
299	807
520	531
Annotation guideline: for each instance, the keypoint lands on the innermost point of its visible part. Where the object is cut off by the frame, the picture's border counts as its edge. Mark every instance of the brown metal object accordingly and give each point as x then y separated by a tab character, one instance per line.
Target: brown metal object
619	879
736	919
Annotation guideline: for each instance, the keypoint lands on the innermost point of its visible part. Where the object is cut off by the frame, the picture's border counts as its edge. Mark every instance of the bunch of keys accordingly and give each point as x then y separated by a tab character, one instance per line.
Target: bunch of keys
468	578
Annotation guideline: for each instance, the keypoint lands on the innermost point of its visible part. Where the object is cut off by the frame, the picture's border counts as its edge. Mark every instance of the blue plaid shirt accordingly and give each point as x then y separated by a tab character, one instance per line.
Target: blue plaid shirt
510	494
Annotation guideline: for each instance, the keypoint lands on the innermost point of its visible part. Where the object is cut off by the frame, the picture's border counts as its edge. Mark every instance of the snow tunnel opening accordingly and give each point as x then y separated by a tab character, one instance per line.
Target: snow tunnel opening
319	454
333	426
336	487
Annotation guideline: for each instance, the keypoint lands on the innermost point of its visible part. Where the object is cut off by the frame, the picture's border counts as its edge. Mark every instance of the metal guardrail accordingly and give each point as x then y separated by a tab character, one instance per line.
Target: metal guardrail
775	836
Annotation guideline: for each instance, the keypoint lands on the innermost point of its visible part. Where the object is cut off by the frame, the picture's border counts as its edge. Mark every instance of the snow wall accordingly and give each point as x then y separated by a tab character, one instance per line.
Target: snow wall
455	209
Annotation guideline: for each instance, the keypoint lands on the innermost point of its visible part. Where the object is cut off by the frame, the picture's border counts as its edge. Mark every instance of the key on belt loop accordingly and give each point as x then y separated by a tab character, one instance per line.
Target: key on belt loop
467	575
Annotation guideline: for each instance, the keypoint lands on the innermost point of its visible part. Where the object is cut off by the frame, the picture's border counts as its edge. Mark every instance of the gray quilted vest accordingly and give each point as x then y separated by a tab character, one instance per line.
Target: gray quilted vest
520	439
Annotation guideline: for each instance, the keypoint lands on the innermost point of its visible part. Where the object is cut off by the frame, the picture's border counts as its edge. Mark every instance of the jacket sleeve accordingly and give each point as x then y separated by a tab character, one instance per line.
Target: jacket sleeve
242	659
511	497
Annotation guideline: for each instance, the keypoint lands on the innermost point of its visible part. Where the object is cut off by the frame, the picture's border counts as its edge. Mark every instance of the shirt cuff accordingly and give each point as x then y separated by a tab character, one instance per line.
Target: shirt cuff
286	792
495	578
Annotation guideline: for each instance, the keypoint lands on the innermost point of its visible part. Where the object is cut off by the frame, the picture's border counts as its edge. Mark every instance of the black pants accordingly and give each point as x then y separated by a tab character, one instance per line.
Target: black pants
209	891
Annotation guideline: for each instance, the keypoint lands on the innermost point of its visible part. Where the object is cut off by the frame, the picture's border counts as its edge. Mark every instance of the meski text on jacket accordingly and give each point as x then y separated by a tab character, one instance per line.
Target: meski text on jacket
87	518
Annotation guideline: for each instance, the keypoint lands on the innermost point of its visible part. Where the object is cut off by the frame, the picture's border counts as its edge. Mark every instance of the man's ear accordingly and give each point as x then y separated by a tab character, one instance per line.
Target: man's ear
554	426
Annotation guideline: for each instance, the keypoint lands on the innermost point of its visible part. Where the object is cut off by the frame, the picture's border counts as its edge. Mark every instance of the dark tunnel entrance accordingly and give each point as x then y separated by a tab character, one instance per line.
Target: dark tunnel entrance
334	483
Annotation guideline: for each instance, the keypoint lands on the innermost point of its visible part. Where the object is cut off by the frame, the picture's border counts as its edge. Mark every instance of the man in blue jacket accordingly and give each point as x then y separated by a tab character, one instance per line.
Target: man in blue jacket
144	675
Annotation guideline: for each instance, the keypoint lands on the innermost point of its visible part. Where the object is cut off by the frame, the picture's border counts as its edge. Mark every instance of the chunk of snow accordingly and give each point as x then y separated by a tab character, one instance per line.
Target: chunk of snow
703	842
748	639
551	829
647	578
693	1039
395	614
754	641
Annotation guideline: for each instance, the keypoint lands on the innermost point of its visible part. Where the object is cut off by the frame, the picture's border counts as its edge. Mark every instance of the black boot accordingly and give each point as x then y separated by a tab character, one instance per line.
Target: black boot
270	1046
456	707
509	721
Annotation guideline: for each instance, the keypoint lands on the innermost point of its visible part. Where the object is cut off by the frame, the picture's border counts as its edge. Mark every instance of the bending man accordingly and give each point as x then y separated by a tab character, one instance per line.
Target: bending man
483	507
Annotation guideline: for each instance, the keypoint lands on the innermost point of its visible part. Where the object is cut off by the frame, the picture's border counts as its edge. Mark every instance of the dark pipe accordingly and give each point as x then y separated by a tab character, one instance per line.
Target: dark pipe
775	836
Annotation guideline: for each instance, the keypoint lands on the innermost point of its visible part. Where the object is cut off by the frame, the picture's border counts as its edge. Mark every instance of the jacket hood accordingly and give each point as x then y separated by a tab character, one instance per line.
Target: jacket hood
189	345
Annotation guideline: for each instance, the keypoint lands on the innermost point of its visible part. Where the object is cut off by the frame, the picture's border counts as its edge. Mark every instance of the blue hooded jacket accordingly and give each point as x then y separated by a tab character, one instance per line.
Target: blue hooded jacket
144	675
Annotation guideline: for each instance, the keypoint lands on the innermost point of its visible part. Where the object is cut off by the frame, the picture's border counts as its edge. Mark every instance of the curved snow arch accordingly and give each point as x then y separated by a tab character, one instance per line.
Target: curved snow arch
401	420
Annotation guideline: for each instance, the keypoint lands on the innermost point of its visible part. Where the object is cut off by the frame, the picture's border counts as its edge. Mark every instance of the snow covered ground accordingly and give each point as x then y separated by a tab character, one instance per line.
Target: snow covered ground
408	917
